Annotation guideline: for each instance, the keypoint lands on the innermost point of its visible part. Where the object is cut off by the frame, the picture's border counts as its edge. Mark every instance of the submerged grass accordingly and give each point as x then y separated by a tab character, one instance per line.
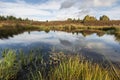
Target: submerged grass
33	67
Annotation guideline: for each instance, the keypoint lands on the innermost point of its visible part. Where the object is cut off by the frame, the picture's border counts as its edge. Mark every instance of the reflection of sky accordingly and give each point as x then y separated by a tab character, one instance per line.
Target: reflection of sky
25	38
105	45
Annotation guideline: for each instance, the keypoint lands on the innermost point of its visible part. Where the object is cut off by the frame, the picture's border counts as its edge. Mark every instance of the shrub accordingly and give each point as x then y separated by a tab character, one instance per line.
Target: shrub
104	18
89	18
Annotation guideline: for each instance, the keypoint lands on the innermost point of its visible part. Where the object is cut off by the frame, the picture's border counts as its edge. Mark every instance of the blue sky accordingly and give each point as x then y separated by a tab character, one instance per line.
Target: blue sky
60	9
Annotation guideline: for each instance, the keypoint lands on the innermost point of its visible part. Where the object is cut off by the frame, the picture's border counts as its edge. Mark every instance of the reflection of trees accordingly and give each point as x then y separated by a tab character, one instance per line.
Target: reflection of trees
28	32
86	33
116	33
117	37
100	33
4	33
47	30
90	32
10	31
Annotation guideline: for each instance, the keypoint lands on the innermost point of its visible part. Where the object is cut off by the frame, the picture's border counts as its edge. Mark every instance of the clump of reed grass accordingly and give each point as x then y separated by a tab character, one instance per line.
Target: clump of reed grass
76	69
36	75
12	64
8	66
33	67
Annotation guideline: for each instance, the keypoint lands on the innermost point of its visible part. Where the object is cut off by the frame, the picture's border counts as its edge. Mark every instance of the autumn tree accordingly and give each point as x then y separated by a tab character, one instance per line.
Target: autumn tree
69	19
104	18
89	18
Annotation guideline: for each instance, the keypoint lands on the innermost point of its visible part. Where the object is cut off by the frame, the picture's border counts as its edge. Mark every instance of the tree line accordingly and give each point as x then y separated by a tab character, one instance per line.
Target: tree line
4	18
88	20
91	18
93	21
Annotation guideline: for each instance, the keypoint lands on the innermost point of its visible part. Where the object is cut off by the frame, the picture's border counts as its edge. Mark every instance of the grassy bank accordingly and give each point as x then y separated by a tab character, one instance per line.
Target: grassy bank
8	30
69	26
56	66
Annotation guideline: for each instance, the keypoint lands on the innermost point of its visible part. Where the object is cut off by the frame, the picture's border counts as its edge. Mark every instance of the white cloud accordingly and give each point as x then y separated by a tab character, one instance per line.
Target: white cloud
22	9
68	3
113	13
103	3
57	10
80	8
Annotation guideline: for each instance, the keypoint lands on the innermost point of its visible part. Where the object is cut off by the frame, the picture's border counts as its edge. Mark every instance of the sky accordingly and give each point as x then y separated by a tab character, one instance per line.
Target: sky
43	10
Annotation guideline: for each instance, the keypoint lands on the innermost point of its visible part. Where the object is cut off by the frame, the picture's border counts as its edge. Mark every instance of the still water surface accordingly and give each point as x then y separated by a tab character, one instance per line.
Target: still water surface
93	46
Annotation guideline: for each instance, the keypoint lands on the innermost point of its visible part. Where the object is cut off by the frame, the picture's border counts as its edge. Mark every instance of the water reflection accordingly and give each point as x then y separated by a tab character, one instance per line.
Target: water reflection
96	45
